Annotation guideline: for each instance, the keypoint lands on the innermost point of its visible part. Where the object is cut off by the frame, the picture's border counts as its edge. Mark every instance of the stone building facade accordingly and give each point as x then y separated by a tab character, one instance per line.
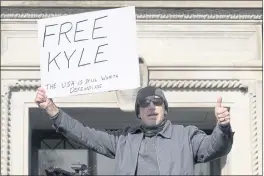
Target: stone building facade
194	50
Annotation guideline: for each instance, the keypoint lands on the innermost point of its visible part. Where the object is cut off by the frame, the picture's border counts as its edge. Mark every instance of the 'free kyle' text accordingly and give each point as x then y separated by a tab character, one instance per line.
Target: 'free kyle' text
68	33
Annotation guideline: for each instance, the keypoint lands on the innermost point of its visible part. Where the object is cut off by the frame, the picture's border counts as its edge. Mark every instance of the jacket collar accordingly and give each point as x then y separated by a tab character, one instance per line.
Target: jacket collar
165	132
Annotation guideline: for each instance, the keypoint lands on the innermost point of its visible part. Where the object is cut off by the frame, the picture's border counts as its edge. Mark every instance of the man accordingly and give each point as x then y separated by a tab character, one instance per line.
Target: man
154	147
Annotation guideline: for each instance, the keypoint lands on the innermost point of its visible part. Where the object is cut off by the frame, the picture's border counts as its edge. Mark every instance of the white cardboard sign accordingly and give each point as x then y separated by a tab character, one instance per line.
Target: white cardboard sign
89	52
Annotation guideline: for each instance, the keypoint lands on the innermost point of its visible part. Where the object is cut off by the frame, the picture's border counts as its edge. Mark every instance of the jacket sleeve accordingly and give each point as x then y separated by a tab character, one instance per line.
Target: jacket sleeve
209	147
100	141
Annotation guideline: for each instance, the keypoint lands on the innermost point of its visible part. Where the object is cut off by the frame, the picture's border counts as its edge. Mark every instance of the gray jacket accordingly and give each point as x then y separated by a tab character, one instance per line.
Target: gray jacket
179	148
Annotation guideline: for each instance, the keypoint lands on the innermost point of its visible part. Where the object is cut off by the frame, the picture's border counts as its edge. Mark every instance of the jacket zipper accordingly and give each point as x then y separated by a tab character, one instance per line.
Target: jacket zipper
157	154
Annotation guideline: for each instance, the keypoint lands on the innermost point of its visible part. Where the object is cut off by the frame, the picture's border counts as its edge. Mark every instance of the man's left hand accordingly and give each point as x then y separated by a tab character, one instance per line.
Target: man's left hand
221	113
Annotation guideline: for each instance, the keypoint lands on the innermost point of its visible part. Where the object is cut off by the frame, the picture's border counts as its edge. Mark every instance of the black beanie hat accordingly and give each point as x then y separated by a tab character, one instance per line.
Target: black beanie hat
149	91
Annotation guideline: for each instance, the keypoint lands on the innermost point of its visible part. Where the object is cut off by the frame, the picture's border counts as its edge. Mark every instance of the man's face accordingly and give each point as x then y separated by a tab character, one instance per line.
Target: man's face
151	110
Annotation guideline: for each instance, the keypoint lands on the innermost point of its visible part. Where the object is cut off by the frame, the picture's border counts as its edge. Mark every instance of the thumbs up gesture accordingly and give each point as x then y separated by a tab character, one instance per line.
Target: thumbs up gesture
221	113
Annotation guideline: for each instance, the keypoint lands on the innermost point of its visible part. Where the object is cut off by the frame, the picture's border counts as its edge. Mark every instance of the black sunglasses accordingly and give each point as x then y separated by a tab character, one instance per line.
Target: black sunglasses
146	102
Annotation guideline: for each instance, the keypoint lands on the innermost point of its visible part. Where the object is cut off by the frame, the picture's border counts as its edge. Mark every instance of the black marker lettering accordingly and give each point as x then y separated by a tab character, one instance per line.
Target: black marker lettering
45	32
90	80
106	77
51	86
65	32
95	61
69	58
80	82
81	59
94	28
79	31
85	88
67	84
54	59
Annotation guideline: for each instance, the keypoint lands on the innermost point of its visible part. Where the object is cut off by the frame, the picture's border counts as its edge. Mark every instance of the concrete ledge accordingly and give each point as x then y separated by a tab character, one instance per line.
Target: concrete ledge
190	3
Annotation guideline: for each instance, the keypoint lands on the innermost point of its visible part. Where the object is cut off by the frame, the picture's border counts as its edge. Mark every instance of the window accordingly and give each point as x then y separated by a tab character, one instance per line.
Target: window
53	149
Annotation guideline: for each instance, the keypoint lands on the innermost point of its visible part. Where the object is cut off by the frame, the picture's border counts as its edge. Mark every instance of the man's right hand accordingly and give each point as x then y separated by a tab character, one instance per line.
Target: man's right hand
45	103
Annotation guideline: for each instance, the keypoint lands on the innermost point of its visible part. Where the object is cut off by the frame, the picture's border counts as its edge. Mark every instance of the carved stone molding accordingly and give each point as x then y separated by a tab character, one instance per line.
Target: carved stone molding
255	137
199	84
141	13
21	85
32	85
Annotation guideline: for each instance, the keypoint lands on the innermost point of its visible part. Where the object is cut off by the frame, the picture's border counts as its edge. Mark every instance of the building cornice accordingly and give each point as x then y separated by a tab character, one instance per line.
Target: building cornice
142	13
137	3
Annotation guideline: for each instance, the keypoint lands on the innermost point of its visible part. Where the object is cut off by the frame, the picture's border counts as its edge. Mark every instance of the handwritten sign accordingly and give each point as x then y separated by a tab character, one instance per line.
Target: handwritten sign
89	52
